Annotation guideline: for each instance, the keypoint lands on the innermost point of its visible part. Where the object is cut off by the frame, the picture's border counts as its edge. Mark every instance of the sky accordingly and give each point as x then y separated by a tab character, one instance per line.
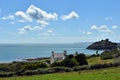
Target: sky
63	21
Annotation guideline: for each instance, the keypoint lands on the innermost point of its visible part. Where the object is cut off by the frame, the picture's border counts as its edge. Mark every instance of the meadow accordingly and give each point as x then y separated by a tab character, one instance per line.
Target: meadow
100	74
96	60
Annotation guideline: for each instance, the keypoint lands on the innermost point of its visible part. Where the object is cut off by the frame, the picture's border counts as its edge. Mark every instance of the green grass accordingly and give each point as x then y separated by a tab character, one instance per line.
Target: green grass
97	60
101	74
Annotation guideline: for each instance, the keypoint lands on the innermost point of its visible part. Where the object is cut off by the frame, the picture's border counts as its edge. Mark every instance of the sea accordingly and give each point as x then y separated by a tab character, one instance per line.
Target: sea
19	52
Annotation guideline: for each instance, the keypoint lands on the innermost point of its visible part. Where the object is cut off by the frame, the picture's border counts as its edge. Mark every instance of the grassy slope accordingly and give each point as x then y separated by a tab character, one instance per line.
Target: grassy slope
97	60
101	74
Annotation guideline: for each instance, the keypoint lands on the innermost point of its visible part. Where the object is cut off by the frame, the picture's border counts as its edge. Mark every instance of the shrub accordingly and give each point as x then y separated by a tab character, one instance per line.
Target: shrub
106	55
110	54
67	62
62	69
98	66
29	72
34	65
81	59
56	64
79	68
6	74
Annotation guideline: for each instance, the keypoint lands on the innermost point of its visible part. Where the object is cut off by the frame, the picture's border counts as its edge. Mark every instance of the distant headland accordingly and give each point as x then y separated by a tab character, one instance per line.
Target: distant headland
103	45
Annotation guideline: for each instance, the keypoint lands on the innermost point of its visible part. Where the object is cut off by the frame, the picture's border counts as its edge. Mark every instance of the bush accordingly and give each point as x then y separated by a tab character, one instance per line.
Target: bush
46	71
99	66
110	54
67	62
6	74
79	68
70	56
106	55
6	67
42	65
30	72
81	59
62	69
34	65
56	64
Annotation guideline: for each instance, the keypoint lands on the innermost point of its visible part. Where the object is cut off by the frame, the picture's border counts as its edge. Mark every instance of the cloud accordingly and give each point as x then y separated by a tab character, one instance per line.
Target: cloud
23	16
87	33
102	28
9	17
43	23
108	18
36	14
114	27
47	33
94	27
29	28
39	14
72	15
32	15
22	31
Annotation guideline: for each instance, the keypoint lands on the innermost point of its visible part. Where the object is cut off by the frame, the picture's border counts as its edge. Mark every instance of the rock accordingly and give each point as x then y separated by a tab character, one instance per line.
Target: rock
103	45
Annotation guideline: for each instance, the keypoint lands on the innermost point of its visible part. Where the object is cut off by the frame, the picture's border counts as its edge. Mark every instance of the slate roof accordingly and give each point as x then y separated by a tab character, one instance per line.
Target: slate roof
59	55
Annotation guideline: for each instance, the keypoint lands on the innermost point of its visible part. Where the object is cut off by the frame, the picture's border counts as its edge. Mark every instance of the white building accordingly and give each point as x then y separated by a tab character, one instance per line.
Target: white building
57	56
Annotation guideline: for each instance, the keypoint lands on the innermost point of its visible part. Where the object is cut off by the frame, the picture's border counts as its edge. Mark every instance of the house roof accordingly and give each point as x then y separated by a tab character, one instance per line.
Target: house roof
59	55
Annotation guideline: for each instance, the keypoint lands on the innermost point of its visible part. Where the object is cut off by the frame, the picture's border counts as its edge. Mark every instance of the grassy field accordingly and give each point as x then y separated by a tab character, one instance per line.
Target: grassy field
97	60
101	74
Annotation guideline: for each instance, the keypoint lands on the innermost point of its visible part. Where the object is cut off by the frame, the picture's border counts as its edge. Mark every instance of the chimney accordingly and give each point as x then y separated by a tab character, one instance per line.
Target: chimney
53	53
76	53
65	52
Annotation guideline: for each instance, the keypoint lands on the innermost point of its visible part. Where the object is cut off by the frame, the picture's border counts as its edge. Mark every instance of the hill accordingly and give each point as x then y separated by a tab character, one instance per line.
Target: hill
103	45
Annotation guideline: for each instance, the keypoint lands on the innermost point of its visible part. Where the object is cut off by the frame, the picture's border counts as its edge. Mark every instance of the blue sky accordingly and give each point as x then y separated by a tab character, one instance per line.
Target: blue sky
63	21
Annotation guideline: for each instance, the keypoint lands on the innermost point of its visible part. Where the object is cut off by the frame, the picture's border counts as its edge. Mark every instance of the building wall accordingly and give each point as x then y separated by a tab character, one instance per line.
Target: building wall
52	59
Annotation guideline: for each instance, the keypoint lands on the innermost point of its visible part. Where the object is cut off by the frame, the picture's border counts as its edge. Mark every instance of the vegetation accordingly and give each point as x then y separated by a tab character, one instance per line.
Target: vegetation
56	64
81	59
34	65
103	45
97	59
109	54
100	74
17	68
21	72
71	63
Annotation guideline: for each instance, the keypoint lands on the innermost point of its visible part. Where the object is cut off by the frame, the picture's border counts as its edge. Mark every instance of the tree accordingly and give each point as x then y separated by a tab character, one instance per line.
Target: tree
70	56
69	62
81	59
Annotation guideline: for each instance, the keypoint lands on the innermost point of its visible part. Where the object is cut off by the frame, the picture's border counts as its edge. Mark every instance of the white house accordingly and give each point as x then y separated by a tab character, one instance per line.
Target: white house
57	56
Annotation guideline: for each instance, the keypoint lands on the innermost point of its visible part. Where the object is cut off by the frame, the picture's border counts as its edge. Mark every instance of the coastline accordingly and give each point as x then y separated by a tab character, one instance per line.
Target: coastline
29	52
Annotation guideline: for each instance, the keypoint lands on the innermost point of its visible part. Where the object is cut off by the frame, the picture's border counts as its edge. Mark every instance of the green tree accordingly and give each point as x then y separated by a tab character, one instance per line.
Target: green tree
69	62
70	56
81	59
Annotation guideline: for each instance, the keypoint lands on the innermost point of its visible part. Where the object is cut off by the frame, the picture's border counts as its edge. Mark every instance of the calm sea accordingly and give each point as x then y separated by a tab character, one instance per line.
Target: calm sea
18	52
